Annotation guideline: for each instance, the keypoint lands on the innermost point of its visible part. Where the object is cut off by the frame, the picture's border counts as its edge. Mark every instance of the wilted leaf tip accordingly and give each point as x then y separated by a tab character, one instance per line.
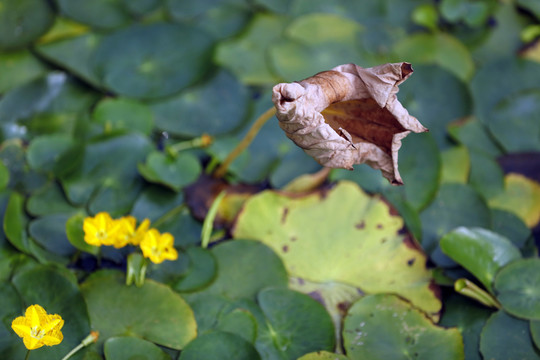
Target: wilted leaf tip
348	115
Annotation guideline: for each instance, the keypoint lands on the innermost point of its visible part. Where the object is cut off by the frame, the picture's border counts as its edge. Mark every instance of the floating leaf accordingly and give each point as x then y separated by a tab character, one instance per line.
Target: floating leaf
219	345
75	234
174	172
356	241
57	291
44	151
455	205
244	268
216	107
104	14
245	55
15	221
517	286
123	114
23	21
115	309
49	231
521	196
506	337
386	327
49	200
480	251
145	61
535	332
456	165
511	226
323	355
127	348
18	68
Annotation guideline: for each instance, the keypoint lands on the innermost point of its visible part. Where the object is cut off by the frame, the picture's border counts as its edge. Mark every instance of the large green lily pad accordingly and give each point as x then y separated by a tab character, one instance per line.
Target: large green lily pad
386	327
153	312
517	286
480	251
23	21
152	61
18	68
506	337
58	293
341	235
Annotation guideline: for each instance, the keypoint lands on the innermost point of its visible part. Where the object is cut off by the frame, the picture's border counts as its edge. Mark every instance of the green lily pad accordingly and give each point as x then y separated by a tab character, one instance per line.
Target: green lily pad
517	286
49	200
152	61
44	151
298	323
510	112
511	226
486	176
58	293
323	355
506	337
127	348
455	205
431	89
75	234
10	308
473	13
245	55
123	114
49	231
475	136
23	21
102	14
215	107
157	201
438	48
469	317
240	322
15	221
152	312
386	327
18	68
140	7
364	236
480	251
314	43
74	54
174	172
102	177
4	176
219	345
244	268
202	270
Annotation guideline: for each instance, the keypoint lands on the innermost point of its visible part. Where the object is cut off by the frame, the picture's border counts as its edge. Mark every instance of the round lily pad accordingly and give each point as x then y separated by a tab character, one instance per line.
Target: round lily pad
152	61
44	151
386	327
244	268
323	355
57	292
18	68
511	226
23	21
480	251
128	348
298	323
50	232
506	337
517	286
174	172
124	114
341	235
201	272
240	322
215	107
219	345
116	309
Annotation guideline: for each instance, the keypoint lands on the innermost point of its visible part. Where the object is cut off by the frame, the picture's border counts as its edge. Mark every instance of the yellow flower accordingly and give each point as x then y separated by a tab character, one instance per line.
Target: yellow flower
101	229
130	234
37	328
158	247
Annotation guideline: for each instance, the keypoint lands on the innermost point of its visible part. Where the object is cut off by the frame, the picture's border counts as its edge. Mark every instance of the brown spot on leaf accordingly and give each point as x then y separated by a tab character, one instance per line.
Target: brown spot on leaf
410	242
284	215
317	296
380	226
285	248
360	225
411	261
293	238
343	307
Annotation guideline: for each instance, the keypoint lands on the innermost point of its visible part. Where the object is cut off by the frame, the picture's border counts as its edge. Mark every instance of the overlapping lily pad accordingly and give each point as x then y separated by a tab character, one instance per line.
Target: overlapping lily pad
340	235
386	327
517	286
116	309
152	61
127	347
173	172
220	345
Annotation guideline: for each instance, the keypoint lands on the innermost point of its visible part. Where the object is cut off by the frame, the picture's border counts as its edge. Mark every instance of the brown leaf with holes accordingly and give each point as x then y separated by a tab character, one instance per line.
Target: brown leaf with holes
348	115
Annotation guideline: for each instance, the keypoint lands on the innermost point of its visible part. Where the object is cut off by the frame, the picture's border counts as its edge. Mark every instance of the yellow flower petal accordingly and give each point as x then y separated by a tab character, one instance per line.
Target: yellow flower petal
37	328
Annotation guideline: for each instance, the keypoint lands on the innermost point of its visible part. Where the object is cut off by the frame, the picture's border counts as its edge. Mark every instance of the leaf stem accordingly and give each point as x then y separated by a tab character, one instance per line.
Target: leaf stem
27	355
208	223
248	138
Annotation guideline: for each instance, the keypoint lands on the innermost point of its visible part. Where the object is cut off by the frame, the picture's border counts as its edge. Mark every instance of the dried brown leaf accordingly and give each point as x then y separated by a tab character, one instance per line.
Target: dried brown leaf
348	115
